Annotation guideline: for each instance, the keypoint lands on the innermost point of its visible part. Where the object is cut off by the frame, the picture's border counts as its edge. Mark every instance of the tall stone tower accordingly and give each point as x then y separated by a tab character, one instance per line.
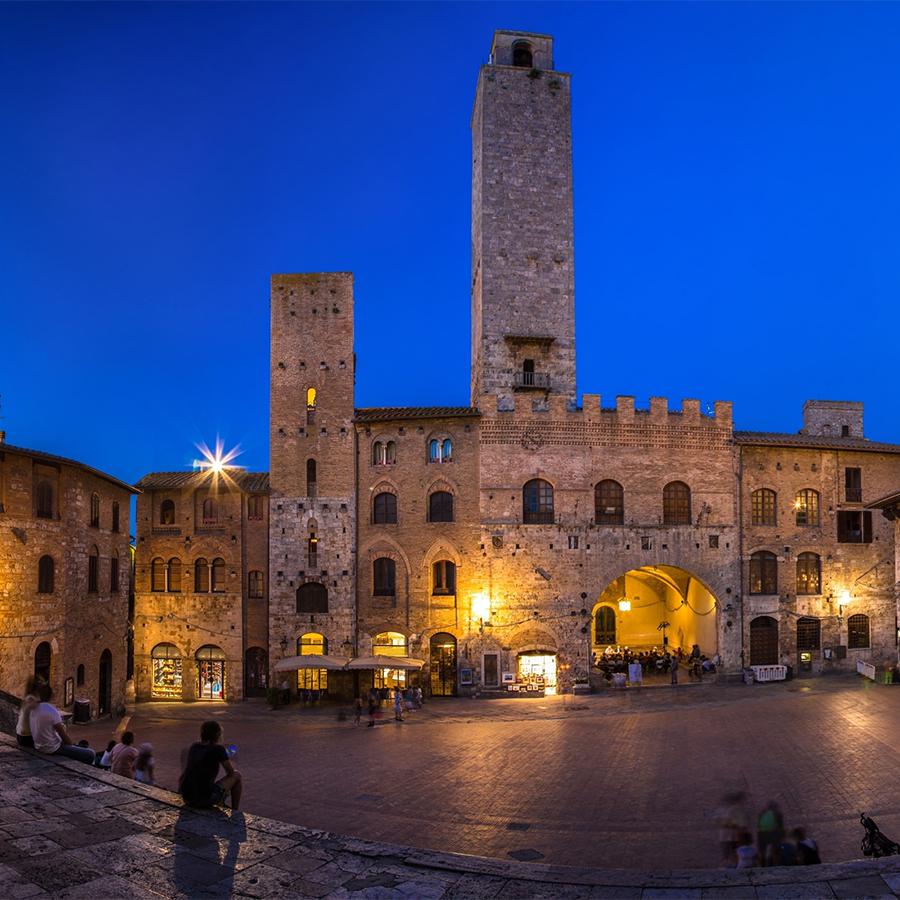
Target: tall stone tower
312	521
523	285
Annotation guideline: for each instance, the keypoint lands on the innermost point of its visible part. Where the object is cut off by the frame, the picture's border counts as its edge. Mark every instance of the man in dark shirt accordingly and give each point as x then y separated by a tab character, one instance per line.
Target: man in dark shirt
198	785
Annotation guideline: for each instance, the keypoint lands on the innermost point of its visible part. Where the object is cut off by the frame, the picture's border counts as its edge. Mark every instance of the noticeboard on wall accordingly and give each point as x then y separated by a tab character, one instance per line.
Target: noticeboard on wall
465	676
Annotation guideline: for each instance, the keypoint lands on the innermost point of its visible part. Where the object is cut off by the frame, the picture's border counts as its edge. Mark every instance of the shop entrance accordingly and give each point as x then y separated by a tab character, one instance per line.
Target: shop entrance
211	673
443	665
538	667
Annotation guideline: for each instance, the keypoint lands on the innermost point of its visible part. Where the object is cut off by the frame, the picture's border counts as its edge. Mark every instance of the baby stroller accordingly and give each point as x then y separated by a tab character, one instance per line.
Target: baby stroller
875	843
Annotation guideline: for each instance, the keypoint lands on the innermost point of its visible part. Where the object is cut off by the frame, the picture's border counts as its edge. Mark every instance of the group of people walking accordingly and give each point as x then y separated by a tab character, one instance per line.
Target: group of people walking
404	700
773	845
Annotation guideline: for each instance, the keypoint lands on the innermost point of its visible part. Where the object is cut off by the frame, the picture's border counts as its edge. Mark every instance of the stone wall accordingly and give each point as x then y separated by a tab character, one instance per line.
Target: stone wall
523	283
182	615
312	349
79	624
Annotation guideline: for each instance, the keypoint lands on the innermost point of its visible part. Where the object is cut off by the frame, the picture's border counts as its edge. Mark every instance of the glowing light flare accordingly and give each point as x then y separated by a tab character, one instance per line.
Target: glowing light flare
215	463
844	599
624	605
481	606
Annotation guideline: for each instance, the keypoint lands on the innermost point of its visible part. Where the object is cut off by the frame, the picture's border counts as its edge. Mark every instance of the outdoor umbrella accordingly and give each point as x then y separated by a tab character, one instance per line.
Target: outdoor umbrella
385	662
310	661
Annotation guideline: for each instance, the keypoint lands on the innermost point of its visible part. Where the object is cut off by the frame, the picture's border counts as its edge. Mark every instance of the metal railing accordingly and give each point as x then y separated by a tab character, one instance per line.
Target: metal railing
529	380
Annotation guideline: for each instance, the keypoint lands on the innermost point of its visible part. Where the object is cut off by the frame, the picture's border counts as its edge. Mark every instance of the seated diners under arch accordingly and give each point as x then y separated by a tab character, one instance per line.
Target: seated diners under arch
650	616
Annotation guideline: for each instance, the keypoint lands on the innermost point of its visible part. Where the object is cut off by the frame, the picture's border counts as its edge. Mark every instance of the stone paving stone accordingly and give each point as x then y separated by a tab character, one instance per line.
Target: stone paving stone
680	893
56	871
35	845
735	892
816	891
296	862
475	887
13	886
866	886
107	886
95	833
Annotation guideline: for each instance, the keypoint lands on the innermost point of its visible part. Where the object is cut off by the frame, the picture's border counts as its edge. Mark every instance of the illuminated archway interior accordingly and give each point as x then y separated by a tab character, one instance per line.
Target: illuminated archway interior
655	594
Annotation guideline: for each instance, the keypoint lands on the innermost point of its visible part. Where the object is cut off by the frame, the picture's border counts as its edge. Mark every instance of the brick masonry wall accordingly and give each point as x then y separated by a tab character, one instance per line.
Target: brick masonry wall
79	625
188	619
867	571
415	543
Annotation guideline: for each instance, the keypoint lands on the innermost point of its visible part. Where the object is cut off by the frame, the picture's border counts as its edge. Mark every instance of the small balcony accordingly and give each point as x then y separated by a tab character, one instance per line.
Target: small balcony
531	381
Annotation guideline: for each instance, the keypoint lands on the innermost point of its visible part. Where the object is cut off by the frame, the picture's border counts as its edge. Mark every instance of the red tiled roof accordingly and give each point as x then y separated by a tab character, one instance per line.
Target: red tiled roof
812	441
50	457
385	413
250	482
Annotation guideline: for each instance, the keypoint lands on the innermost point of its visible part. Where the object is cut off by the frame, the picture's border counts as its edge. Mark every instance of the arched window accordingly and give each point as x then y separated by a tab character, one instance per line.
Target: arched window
609	503
384	509
384	453
312	551
537	502
809	634
676	504
806	505
384	577
45	575
605	625
158	574
440	506
389	643
93	571
114	573
211	673
763	573
43	656
255	585
218	575
809	573
210	511
173	575
522	54
311	406
858	632
312	597
310	478
440	451
44	500
443	577
763	507
167	512
201	576
95	510
115	516
79	675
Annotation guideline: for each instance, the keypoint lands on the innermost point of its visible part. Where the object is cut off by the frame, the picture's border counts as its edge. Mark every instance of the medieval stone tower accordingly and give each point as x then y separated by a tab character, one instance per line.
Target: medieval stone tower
523	275
312	504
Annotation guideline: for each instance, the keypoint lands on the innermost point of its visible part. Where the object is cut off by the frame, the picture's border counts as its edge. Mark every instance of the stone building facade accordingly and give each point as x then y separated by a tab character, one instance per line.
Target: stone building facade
517	538
65	577
201	621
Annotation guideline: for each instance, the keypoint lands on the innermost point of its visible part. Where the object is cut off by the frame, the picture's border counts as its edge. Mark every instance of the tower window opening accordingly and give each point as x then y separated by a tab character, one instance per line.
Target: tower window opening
311	406
523	55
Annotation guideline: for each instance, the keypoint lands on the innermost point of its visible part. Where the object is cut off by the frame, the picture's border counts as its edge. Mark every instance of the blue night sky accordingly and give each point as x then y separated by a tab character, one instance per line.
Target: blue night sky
736	207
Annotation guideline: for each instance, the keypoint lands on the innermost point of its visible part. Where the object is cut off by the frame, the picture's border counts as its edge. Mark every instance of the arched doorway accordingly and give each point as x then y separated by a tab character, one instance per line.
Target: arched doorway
104	691
763	641
43	656
210	673
256	671
655	608
166	672
443	665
